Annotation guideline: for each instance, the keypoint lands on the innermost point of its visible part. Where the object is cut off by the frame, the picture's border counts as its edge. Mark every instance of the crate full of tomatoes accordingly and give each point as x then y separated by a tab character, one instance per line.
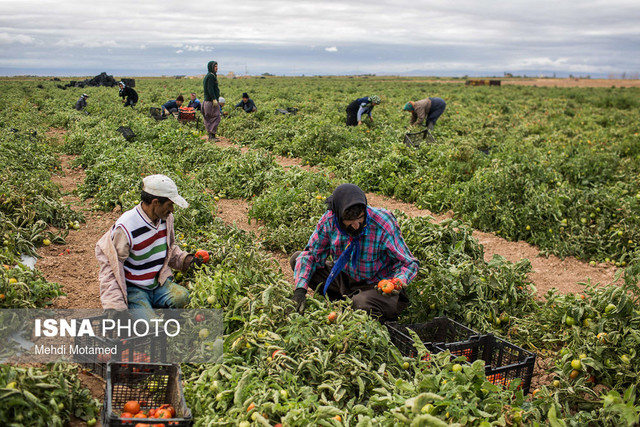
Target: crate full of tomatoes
187	114
135	349
145	394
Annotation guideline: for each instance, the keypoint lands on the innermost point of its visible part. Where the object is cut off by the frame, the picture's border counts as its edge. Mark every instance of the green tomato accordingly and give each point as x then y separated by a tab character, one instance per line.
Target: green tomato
427	409
609	308
517	416
570	321
456	368
576	364
92	422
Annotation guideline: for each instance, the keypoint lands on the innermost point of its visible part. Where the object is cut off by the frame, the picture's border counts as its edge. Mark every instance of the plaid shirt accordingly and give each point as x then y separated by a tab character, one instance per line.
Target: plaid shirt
383	253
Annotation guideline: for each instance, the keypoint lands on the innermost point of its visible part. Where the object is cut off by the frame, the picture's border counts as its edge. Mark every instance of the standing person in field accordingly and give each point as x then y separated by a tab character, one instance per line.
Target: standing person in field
129	93
361	106
172	105
247	104
137	253
211	107
429	108
81	103
366	245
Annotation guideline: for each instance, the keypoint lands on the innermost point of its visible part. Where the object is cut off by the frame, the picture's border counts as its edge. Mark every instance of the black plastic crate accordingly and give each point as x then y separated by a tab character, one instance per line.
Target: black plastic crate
127	133
414	139
504	361
438	330
136	349
151	385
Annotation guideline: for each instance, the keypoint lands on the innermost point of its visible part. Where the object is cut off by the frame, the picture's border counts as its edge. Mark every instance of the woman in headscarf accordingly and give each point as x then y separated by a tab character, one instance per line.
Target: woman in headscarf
211	107
366	246
361	106
129	93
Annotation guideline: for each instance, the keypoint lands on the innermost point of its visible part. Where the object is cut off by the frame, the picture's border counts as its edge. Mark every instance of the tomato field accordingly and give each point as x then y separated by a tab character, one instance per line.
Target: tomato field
555	167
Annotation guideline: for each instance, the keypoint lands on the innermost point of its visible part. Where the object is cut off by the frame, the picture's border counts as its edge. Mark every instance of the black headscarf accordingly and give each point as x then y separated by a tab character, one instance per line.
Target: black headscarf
344	197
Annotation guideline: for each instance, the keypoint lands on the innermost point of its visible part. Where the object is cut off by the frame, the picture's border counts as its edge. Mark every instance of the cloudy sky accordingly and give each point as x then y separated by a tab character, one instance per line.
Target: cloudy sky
428	37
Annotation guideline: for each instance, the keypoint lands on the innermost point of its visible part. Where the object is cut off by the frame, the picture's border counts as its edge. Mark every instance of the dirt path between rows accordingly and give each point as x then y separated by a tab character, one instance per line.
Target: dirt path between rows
547	272
74	265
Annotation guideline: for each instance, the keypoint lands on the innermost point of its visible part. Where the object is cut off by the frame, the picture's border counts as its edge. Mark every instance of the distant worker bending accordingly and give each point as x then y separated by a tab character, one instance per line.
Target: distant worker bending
172	105
247	104
361	106
429	108
81	103
129	93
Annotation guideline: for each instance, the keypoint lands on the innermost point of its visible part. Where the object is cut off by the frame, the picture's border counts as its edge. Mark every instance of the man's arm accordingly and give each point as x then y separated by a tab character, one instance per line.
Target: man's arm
110	292
405	265
361	110
314	254
421	109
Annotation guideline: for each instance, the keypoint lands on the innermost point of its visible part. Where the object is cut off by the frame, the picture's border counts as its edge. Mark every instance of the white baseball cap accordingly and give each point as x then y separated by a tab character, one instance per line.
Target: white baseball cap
221	100
163	186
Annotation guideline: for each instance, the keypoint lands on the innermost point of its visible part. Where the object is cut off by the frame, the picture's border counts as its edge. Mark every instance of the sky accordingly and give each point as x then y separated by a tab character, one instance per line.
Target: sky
313	37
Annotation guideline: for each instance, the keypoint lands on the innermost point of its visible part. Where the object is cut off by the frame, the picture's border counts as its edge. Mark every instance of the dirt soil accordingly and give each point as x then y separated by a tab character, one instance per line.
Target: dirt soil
537	82
74	265
573	82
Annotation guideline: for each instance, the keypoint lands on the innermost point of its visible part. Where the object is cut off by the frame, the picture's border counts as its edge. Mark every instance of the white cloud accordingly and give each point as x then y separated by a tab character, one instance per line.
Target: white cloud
6	38
403	34
85	43
195	48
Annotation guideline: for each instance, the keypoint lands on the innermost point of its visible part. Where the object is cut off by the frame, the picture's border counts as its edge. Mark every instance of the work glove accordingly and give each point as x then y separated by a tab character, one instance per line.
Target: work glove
195	261
390	287
199	258
300	299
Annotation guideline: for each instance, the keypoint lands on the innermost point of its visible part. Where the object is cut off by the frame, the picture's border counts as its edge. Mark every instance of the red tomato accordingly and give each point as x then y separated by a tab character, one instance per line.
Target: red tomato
163	413
169	408
203	255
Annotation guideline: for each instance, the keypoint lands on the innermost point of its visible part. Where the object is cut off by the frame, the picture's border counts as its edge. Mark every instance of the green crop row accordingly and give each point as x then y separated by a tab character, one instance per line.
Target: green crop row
281	367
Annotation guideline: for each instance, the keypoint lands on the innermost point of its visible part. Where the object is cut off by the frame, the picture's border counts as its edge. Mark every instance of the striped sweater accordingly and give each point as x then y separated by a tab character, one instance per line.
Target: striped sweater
147	248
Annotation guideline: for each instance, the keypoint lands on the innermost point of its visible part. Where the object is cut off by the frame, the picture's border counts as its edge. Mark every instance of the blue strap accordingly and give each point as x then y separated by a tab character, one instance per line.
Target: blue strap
352	252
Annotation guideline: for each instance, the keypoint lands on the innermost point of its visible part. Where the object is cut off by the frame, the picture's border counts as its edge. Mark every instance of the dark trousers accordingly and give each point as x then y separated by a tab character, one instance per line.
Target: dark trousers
130	102
437	108
363	295
352	113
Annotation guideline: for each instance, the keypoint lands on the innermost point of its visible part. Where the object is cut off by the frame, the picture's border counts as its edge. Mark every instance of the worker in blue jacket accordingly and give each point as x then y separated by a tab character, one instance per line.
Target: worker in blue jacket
361	106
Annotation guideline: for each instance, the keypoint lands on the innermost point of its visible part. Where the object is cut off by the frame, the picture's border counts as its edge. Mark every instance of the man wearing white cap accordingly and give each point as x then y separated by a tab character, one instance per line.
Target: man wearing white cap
137	254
